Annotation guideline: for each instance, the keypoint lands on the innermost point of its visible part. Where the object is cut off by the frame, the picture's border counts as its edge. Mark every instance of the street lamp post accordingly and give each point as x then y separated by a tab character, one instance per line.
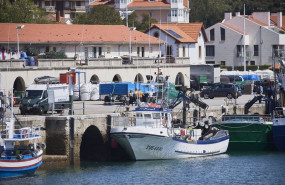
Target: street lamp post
130	46
18	28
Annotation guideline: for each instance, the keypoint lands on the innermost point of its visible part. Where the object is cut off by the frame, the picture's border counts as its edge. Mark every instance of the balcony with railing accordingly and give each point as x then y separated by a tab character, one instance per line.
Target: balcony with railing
78	8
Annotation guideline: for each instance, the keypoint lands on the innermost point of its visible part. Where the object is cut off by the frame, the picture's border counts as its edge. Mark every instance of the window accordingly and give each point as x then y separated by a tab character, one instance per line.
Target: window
223	63
210	62
252	63
150	14
54	49
200	51
138	51
147	116
240	50
156	34
47	49
183	51
142	51
139	116
156	115
210	51
255	48
108	49
212	34
223	34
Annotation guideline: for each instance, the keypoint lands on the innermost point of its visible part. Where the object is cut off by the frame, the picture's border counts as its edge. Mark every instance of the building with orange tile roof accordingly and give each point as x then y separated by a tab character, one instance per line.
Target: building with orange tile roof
86	41
172	11
182	40
262	35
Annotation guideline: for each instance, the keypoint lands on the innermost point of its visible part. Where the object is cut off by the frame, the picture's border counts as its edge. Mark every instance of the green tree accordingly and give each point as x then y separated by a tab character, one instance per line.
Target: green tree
24	11
212	11
146	23
100	15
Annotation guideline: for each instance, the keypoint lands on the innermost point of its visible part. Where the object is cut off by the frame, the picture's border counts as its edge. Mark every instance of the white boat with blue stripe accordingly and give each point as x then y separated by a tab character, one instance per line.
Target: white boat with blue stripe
20	154
154	134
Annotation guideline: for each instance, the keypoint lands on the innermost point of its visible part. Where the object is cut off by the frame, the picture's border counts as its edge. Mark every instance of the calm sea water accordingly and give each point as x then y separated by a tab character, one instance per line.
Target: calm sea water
235	168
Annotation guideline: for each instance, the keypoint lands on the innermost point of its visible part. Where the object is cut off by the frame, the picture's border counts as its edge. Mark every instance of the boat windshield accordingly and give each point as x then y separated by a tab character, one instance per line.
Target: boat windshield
33	93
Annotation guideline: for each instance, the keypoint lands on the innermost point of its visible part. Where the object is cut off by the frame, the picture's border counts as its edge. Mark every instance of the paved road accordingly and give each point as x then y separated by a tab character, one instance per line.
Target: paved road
97	107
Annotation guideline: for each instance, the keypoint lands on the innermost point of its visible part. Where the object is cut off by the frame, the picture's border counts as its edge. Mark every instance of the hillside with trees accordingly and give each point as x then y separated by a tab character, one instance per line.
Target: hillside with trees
212	11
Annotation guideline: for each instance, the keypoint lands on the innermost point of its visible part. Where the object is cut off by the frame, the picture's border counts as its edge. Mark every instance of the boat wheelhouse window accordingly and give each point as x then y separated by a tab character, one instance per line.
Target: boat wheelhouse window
147	116
156	115
139	116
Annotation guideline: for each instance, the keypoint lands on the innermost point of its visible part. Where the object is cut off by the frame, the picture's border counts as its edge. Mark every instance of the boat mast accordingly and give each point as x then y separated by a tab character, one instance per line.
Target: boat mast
244	52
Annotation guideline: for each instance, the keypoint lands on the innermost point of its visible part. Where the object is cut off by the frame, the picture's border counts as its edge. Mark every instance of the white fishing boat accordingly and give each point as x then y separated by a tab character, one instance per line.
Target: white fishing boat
20	154
153	134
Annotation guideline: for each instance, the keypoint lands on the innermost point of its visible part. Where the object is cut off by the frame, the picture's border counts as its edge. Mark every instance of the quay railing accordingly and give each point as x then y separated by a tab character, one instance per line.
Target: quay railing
96	62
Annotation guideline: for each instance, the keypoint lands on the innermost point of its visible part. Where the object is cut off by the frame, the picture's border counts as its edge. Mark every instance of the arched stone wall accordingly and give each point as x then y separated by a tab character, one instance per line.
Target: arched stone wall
19	84
117	78
179	80
95	79
139	78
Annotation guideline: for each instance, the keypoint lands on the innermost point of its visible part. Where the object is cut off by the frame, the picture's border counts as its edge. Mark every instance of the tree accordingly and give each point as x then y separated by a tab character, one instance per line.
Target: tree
100	15
24	11
212	11
146	23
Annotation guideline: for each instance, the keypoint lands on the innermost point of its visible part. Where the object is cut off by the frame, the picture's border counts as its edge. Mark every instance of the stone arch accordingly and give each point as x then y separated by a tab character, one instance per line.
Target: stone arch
95	79
117	78
19	88
92	146
179	80
19	84
139	78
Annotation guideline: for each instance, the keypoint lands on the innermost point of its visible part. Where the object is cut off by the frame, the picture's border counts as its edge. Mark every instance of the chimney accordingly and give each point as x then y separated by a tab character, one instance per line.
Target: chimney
228	16
263	17
57	16
237	13
279	19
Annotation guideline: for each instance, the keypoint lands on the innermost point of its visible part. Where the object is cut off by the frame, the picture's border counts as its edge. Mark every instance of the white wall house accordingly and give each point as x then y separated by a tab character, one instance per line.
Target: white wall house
83	41
174	11
182	40
260	35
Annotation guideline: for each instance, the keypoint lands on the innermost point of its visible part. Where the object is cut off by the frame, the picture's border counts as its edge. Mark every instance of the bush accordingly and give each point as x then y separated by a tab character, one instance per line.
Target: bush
32	52
252	68
53	55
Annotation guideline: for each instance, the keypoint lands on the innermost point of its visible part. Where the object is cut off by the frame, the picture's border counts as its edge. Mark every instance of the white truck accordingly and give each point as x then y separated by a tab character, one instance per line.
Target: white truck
39	98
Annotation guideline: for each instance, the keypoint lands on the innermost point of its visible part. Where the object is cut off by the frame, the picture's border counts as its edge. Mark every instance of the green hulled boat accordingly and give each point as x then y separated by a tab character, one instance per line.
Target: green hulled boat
248	132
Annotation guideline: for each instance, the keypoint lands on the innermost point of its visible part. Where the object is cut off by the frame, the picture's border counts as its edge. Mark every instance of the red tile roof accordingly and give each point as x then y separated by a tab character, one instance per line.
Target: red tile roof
43	33
146	3
101	2
189	32
274	19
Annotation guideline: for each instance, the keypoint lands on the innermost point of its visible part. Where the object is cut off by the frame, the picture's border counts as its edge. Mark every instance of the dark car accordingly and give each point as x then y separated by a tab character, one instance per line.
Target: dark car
221	90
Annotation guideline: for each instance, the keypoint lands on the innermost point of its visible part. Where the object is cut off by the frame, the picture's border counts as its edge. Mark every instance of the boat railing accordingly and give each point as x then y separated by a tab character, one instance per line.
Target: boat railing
258	118
20	133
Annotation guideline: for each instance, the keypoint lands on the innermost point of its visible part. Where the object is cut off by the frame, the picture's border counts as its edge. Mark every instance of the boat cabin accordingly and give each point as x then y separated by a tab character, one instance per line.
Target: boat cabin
153	117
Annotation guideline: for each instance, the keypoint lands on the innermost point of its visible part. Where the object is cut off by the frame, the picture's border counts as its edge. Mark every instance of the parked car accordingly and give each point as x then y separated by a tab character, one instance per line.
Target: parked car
221	90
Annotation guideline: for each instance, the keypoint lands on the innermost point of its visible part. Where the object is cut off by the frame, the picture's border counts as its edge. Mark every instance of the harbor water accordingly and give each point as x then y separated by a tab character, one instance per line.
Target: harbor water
232	168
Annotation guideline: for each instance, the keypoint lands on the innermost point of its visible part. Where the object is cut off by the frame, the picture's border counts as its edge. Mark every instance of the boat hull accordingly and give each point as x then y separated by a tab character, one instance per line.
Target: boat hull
279	136
153	147
249	136
13	168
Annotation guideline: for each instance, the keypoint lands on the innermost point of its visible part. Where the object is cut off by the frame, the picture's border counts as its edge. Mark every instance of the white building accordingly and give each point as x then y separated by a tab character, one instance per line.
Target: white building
174	11
261	33
182	40
83	41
